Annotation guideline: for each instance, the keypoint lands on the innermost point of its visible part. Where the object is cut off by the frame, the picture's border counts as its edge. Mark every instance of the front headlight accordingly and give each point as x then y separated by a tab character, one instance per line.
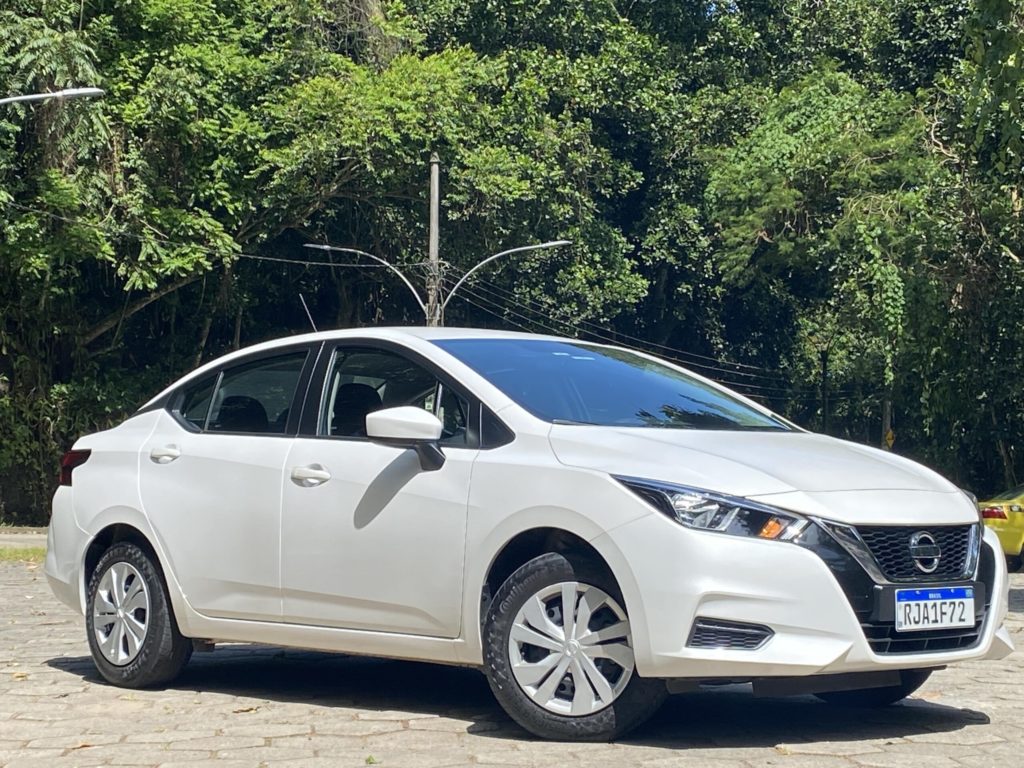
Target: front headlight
709	511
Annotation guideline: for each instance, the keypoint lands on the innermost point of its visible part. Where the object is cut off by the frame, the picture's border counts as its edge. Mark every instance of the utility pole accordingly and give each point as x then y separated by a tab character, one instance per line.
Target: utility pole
435	301
435	306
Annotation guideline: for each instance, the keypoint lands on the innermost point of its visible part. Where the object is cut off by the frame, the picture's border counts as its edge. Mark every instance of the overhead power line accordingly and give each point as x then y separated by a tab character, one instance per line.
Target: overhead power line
486	293
559	331
676	350
614	336
577	330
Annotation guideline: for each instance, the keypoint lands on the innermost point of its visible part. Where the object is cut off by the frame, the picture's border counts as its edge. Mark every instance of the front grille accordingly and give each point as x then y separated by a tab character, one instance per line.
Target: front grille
734	635
890	546
883	637
872	602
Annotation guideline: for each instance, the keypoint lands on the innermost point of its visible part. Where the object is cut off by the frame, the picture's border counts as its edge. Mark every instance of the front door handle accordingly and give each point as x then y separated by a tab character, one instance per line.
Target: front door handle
165	454
311	476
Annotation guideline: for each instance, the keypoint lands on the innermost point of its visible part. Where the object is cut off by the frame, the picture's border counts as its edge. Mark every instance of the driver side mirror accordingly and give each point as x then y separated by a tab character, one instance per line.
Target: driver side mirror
408	427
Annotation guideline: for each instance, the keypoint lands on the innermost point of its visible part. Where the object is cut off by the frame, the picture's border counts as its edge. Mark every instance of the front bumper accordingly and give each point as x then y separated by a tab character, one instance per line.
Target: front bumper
681	574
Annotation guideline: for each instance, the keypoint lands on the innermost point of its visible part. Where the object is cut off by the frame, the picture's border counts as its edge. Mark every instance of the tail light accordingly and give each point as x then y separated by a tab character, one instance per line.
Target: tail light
993	513
69	461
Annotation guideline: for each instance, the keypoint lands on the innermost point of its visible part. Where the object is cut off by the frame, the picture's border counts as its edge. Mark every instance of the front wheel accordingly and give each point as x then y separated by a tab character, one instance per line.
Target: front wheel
558	654
133	636
910	681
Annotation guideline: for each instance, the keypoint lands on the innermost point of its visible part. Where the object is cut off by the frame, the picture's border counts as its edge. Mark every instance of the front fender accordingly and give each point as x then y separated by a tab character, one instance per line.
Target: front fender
568	520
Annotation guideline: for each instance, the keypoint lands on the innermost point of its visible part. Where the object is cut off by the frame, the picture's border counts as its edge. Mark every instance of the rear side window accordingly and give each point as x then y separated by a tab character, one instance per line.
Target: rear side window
256	398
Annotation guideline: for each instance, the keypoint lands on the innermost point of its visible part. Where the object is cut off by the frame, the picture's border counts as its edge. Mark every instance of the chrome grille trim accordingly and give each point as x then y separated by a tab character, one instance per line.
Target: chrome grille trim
851	540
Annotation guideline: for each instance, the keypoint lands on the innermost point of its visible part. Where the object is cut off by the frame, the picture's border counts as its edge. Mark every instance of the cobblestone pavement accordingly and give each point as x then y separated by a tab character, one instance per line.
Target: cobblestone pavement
253	706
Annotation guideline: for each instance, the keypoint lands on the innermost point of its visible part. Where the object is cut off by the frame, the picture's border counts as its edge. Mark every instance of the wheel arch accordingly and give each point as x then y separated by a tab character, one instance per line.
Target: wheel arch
112	534
118	524
529	542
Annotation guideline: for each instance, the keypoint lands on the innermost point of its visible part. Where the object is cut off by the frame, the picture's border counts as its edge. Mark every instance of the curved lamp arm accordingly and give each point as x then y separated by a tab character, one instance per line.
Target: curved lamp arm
379	260
489	259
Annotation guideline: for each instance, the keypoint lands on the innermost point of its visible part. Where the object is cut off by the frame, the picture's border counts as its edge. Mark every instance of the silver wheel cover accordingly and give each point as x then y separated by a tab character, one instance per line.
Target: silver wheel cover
120	613
569	649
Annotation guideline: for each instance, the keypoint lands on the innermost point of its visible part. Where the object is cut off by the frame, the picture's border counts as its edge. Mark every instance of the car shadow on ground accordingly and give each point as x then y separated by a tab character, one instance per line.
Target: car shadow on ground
723	717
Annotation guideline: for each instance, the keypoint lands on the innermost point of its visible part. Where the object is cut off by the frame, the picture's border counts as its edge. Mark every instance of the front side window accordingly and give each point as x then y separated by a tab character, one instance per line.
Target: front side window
577	383
364	380
256	397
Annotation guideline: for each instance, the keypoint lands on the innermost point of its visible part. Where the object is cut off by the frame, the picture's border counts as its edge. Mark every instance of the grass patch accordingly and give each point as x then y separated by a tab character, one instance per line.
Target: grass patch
22	554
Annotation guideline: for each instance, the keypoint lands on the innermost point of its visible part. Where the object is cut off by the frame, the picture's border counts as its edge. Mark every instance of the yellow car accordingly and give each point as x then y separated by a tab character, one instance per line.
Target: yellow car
1004	514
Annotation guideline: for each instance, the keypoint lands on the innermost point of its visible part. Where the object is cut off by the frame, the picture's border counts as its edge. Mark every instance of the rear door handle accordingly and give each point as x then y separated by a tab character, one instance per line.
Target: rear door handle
165	454
310	476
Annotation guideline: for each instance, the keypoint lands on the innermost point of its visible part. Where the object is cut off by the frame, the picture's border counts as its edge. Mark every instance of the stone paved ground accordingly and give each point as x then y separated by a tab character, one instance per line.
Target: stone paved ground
254	706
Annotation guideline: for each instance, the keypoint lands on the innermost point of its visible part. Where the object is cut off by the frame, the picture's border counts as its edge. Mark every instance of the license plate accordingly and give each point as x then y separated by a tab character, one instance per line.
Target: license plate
937	608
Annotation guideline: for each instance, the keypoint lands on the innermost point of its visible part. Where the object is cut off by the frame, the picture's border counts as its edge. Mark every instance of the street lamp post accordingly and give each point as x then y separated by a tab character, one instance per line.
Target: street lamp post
67	93
379	260
489	259
434	298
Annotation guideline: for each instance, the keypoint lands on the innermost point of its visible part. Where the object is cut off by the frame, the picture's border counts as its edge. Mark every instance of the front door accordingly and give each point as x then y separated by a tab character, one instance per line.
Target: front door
369	540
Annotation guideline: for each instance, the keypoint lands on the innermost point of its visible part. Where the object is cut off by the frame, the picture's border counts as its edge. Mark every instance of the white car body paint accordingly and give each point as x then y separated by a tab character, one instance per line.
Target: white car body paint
387	559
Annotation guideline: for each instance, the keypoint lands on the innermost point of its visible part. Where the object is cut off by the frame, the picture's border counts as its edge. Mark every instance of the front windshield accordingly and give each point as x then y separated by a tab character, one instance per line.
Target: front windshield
577	383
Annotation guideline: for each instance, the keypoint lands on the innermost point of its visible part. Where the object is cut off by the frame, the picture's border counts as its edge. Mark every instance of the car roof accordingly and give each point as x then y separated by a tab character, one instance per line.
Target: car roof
399	331
393	333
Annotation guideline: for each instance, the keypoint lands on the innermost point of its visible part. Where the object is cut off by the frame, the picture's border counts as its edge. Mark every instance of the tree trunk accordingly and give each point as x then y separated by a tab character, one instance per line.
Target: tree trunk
886	421
1009	475
215	307
824	391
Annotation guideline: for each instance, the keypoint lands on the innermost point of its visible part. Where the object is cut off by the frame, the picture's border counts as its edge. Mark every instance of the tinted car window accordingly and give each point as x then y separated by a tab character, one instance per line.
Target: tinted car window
561	381
256	398
365	380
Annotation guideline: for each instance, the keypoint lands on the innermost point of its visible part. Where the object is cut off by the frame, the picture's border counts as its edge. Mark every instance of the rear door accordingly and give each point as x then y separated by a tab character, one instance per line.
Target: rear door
211	476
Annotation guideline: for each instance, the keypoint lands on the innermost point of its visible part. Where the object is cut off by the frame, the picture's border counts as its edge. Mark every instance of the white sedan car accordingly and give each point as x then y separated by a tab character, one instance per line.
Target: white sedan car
588	525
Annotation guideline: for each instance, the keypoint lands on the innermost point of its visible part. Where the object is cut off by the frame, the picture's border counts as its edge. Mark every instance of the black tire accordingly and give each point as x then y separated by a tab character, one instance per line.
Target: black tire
637	701
1014	562
910	681
163	652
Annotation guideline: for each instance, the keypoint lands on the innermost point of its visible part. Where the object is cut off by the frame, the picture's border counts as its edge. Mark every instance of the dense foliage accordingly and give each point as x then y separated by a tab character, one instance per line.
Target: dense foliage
818	203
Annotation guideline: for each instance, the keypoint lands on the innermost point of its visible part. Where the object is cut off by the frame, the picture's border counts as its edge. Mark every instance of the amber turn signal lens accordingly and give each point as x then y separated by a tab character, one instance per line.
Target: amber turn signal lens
772	528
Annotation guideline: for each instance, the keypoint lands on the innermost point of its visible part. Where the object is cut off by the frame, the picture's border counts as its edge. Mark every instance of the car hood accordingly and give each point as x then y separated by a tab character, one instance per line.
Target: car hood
802	471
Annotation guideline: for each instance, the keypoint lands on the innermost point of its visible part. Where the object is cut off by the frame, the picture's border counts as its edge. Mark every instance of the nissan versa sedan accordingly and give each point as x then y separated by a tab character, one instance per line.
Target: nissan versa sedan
588	525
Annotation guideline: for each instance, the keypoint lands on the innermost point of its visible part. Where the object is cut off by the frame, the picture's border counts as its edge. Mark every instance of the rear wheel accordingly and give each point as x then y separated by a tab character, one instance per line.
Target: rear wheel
133	636
910	681
558	655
